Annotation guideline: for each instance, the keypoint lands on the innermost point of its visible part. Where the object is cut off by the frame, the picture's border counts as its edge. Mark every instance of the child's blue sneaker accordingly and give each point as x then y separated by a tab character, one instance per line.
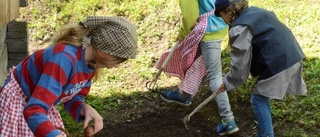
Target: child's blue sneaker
175	96
227	128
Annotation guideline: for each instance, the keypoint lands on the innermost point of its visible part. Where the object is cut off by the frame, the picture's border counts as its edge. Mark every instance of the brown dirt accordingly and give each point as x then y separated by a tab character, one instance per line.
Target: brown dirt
147	115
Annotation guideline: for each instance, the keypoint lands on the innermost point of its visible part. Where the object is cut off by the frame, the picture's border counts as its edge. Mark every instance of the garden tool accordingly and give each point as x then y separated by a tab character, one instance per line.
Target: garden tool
152	85
187	118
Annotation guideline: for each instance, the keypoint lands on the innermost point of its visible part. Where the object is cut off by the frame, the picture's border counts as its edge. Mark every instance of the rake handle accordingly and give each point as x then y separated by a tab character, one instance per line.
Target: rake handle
205	102
169	55
152	84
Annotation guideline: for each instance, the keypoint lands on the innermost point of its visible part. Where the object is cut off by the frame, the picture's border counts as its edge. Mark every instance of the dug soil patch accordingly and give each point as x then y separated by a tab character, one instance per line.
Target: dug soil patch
147	115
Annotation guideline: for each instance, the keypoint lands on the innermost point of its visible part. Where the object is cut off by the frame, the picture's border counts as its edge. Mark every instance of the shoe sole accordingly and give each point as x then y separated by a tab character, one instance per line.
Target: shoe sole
173	101
229	132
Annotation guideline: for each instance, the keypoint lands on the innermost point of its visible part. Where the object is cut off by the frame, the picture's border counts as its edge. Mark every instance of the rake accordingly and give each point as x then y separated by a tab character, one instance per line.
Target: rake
186	119
152	85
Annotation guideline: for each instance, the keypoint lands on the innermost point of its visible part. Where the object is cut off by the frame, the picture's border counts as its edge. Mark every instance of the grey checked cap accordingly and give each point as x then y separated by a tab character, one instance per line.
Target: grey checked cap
113	35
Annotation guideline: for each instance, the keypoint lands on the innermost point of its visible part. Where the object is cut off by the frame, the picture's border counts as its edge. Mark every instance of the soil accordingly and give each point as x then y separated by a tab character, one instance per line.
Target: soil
147	115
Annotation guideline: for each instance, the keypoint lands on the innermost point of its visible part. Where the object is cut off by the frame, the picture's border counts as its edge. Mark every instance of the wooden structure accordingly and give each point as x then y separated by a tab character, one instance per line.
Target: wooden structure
9	12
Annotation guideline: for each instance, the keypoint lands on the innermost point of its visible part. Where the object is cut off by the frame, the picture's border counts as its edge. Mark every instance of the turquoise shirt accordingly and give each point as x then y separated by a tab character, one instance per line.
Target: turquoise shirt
191	10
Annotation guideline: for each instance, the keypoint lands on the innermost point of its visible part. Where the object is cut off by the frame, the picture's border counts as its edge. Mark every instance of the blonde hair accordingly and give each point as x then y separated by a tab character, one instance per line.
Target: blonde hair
73	34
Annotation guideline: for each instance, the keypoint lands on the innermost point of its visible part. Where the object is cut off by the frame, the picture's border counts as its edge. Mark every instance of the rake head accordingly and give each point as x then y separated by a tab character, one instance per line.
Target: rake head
186	119
152	86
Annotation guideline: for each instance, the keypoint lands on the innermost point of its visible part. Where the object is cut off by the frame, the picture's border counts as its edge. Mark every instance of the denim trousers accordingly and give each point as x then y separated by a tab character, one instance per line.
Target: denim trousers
262	111
211	53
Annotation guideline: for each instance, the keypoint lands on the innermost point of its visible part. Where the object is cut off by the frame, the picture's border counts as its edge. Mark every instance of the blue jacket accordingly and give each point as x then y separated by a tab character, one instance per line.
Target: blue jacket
274	46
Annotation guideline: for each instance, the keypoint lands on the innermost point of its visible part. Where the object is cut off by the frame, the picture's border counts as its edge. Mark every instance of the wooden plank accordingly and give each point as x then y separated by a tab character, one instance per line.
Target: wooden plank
9	11
17	30
3	30
13	63
14	9
17	56
3	64
3	14
17	45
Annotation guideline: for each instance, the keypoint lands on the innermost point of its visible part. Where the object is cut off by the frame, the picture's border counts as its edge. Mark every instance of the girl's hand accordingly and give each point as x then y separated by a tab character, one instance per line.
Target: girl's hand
60	135
91	114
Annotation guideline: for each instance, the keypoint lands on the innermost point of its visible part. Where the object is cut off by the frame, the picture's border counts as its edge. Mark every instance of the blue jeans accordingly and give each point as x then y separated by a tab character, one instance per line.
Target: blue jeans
211	53
262	111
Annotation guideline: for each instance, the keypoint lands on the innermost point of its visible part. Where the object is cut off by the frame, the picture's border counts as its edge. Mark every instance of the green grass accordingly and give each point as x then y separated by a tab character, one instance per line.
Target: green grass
157	22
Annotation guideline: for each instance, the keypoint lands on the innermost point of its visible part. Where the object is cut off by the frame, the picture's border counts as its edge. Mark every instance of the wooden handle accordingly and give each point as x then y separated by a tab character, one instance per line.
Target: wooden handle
169	56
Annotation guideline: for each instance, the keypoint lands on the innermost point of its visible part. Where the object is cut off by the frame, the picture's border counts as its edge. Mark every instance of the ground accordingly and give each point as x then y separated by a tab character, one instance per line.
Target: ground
148	115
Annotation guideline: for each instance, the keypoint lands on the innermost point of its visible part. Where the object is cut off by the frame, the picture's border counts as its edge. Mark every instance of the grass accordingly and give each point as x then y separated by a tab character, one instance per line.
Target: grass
157	22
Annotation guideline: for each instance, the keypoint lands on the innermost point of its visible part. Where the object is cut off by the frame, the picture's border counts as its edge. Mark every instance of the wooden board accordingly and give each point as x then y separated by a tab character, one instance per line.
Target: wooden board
9	11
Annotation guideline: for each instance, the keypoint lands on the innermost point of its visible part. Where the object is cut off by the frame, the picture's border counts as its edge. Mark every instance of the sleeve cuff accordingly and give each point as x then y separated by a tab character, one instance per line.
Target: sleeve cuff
79	118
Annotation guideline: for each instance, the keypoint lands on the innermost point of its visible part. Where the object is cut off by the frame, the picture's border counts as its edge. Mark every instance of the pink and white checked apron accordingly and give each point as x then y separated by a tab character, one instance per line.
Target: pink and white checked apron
12	103
183	62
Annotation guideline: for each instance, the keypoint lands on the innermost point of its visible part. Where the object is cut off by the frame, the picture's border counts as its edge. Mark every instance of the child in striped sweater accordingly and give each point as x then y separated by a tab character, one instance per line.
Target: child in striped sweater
63	73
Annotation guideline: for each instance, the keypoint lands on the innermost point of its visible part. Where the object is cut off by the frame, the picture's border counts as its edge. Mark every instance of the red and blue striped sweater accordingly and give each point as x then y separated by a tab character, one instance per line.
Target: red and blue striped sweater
57	74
